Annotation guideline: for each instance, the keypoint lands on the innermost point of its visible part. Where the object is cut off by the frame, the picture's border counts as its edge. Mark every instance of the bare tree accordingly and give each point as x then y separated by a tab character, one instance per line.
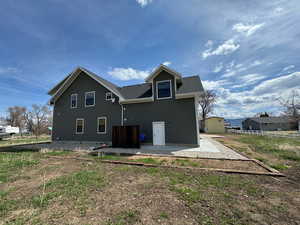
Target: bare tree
263	114
291	105
38	119
16	117
206	102
2	120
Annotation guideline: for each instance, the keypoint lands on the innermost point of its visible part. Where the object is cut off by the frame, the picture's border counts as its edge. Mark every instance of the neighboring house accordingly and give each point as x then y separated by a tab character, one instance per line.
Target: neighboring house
9	129
214	125
269	123
86	107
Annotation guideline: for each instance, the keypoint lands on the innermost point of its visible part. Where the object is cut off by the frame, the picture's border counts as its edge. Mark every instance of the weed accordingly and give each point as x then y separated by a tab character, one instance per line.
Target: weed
262	159
112	157
189	194
163	215
10	163
186	162
279	166
75	186
58	153
127	217
148	161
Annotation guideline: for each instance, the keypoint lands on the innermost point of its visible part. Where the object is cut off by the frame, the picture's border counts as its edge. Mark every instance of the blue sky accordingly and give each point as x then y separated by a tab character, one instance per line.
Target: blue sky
247	51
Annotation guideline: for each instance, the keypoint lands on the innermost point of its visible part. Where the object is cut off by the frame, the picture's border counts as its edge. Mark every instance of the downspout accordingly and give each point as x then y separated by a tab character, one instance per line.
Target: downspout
122	113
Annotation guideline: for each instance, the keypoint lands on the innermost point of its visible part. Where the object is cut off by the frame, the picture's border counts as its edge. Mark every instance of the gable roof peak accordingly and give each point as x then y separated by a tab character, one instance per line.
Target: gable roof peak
160	68
63	85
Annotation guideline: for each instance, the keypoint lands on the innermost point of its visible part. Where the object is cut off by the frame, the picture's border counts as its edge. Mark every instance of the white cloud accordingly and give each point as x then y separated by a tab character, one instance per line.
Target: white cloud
218	68
235	104
288	68
209	44
232	69
279	84
143	3
247	30
248	80
256	63
213	85
128	74
167	63
8	70
226	48
229	74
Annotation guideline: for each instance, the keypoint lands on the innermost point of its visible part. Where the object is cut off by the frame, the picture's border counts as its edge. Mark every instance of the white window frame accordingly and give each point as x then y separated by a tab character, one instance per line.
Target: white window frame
162	81
108	94
78	119
99	118
76	101
86	93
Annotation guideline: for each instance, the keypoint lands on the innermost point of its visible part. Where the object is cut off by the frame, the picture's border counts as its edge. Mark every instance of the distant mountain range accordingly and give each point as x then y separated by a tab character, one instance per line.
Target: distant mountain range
235	122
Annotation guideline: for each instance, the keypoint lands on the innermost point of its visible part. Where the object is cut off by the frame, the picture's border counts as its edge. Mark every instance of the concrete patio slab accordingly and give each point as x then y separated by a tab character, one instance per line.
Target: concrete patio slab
209	148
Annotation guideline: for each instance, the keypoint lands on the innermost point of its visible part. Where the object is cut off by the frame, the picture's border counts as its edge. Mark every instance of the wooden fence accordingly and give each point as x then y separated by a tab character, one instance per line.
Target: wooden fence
263	133
126	137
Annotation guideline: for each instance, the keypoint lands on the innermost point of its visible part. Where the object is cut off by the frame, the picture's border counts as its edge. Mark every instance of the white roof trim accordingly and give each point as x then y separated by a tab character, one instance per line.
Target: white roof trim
137	100
187	95
161	68
70	80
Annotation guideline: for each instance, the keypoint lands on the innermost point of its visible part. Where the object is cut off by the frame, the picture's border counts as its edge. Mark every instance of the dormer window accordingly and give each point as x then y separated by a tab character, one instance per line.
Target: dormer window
108	96
73	101
164	89
90	99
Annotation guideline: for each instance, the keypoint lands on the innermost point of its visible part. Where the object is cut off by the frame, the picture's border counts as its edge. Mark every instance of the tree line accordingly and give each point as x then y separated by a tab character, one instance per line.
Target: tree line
36	119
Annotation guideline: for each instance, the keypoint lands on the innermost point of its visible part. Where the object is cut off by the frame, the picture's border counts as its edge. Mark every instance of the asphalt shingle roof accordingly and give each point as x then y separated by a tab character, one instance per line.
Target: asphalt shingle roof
190	84
144	90
137	91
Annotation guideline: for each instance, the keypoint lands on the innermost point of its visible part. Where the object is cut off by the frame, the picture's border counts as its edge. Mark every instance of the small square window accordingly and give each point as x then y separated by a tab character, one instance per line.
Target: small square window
73	101
101	128
89	99
79	126
108	96
164	90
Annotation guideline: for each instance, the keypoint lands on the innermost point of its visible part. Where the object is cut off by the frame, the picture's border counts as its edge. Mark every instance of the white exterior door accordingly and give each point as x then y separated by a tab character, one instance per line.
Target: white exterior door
159	133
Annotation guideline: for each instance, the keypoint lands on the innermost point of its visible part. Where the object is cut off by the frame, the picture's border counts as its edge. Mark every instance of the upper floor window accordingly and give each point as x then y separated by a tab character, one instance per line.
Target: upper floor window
89	99
164	89
79	126
73	101
108	96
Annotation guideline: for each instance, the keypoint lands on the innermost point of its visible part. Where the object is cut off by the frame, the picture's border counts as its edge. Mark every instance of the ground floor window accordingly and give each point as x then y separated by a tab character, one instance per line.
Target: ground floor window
101	128
79	126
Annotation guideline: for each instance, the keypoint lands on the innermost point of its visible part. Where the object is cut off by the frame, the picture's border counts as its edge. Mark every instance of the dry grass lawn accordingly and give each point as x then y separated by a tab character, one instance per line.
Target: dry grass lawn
38	189
280	153
18	140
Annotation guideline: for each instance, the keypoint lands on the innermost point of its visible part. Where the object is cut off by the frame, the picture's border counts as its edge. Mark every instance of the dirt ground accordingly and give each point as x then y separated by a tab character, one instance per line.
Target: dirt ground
241	165
44	190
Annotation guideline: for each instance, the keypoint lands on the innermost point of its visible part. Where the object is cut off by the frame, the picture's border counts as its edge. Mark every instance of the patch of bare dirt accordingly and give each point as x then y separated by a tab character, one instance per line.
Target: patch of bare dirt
30	179
145	195
241	165
149	200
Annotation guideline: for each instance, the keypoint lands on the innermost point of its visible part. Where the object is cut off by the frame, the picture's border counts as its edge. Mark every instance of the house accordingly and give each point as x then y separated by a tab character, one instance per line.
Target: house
9	129
214	125
86	107
269	123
